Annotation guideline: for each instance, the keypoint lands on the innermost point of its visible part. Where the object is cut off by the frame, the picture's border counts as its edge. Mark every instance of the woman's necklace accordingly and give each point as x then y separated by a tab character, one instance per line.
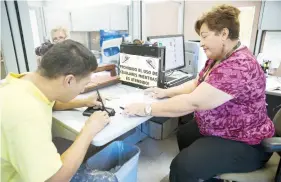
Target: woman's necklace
219	61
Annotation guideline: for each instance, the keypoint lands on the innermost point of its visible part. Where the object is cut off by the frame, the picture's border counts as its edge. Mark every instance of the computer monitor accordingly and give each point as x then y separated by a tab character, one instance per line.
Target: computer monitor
174	56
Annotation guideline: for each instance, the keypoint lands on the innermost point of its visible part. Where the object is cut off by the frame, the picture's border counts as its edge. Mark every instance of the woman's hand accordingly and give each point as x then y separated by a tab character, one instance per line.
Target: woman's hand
136	109
157	93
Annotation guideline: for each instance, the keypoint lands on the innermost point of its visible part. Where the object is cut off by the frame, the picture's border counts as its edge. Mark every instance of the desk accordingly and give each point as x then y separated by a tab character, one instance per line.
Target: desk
273	96
273	82
73	120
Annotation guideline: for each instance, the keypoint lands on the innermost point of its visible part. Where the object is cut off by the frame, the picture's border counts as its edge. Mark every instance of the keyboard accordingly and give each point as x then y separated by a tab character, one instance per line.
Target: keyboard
179	81
168	78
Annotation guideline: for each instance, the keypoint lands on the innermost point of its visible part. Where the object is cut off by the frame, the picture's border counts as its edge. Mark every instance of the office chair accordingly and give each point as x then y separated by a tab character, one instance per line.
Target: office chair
271	171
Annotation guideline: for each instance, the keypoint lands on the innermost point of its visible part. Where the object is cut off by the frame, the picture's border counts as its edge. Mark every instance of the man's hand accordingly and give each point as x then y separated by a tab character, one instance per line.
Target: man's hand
92	101
74	155
136	109
98	120
157	93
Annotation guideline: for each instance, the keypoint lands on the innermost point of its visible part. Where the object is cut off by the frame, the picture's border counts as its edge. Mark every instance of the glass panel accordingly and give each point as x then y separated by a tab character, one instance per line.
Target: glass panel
270	47
271	43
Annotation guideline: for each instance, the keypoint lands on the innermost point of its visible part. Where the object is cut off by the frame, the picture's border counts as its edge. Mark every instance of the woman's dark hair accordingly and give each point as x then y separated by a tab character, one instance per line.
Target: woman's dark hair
67	57
41	50
220	17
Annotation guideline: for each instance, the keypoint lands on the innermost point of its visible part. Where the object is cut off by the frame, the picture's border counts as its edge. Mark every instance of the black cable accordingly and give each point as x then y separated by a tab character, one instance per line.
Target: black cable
21	35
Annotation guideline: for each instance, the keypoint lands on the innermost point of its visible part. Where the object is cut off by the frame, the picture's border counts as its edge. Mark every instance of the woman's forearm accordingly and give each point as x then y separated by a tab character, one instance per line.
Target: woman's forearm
185	88
173	107
204	97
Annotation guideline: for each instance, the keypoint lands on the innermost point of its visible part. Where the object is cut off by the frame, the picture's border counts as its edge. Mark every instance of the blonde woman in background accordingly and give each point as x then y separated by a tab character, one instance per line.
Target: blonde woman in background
59	34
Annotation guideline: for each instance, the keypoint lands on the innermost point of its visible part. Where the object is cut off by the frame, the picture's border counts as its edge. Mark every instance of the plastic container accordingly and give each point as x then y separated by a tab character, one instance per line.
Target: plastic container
116	161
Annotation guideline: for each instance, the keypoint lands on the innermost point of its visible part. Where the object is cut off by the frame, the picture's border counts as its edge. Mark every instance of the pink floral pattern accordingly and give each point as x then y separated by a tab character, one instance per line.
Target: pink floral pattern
244	118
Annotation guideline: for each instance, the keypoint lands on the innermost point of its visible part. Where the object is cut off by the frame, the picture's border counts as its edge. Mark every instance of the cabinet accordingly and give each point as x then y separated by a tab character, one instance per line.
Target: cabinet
90	19
55	18
112	17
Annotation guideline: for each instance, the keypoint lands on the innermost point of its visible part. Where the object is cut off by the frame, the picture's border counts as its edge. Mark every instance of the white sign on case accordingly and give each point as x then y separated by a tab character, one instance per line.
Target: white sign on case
139	70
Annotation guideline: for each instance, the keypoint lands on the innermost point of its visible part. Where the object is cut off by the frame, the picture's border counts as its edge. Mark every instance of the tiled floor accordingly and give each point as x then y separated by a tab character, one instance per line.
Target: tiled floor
155	158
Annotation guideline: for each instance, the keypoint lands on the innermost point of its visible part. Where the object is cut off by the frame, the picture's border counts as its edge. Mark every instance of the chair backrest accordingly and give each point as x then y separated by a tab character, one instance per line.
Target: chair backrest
277	123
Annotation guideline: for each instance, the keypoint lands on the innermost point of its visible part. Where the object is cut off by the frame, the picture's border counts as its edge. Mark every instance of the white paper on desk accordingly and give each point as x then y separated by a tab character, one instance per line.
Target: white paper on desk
272	84
138	97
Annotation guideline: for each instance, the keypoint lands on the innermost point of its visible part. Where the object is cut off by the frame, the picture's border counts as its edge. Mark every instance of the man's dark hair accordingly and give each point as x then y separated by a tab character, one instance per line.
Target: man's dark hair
67	57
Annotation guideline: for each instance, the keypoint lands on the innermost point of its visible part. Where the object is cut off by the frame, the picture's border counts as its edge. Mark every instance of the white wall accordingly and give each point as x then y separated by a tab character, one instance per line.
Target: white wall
56	17
119	17
161	18
109	16
90	19
195	9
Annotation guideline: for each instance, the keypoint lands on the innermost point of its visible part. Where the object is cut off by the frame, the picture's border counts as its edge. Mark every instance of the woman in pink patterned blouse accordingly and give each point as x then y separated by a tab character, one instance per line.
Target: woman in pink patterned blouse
228	98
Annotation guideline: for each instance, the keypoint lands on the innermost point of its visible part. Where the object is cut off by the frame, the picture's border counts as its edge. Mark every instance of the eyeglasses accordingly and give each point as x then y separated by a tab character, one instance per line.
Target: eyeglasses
58	39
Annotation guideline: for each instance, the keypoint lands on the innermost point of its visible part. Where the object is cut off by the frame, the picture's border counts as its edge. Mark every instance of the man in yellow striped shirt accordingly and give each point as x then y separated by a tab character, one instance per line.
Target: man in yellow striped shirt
26	101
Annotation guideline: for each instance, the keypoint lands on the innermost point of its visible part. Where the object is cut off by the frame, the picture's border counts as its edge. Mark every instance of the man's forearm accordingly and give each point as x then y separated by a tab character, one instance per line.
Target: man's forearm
75	103
173	107
73	157
185	88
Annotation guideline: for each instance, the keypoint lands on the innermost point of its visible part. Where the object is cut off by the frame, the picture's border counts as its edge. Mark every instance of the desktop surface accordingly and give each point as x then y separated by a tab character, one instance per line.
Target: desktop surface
120	96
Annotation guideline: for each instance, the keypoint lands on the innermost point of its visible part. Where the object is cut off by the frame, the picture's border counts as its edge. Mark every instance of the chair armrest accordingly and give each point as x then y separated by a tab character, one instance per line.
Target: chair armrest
272	144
